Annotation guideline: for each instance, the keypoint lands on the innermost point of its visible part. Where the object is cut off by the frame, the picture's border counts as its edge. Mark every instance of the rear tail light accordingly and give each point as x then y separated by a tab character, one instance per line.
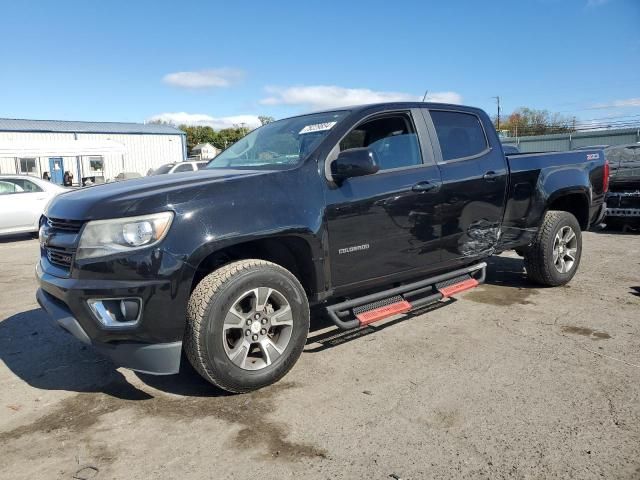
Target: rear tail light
605	180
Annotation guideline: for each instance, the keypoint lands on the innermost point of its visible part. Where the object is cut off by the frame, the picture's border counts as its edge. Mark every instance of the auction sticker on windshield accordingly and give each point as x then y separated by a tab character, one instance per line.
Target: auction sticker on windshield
317	127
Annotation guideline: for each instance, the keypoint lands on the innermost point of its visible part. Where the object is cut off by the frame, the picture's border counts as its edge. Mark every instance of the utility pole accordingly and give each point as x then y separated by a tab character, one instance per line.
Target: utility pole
498	118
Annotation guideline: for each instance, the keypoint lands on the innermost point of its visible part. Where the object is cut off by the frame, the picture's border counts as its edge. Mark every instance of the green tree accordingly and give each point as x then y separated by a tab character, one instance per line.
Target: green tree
264	119
198	134
220	139
526	121
228	136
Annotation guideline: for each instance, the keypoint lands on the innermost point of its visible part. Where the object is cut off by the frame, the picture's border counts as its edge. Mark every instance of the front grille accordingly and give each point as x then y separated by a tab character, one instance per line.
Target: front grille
65	225
61	257
62	237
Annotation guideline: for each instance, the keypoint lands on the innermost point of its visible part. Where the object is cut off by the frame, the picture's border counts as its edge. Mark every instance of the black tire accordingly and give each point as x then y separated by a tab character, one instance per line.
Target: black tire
209	303
538	259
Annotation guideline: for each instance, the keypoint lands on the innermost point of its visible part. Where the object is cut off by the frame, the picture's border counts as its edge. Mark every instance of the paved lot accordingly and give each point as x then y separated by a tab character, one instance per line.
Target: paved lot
509	381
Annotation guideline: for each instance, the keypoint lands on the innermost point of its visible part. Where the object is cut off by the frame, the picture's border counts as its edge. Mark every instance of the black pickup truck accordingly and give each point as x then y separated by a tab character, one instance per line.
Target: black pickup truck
363	213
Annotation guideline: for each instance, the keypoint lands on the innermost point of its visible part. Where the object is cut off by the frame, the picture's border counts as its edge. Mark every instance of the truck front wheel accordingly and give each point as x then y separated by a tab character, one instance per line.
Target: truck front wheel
554	256
247	324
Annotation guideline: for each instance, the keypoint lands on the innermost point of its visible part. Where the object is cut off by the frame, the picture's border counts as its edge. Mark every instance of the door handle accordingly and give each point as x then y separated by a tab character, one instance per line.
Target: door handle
423	187
490	176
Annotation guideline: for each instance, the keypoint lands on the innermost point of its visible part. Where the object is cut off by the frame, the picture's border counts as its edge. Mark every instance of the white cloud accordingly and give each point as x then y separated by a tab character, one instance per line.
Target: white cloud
329	96
444	97
626	102
212	78
203	120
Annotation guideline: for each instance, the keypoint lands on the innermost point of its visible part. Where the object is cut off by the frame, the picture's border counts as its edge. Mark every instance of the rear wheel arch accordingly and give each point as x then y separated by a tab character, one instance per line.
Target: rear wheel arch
574	201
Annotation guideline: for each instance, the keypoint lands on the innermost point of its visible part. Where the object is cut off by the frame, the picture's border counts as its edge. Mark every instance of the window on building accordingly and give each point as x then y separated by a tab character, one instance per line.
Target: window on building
392	138
96	164
28	165
460	134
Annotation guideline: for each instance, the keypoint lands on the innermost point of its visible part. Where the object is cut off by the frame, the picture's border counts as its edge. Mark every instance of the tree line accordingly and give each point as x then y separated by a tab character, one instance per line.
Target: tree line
526	121
220	139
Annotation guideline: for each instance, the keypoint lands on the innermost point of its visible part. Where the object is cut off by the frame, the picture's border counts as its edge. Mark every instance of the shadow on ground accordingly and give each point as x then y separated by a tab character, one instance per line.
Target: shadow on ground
18	237
507	272
47	358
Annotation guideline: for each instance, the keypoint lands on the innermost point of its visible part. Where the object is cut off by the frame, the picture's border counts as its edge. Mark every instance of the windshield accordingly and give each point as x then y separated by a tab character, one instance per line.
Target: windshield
280	144
163	169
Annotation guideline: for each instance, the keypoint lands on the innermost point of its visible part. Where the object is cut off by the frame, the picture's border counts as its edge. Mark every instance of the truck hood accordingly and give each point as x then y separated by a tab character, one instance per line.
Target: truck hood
142	195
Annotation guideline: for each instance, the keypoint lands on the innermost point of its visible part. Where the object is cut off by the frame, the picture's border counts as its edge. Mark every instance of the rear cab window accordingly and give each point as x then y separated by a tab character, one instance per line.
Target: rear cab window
461	135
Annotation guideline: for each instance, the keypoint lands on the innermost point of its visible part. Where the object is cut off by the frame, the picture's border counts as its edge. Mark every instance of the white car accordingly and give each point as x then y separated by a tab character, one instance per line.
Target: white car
22	201
180	167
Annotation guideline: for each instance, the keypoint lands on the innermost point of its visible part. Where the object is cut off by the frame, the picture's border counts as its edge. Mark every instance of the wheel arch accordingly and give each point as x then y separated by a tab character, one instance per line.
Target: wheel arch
574	201
293	252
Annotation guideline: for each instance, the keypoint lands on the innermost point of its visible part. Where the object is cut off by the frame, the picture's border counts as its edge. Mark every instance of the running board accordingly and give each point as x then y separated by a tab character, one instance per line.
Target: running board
362	311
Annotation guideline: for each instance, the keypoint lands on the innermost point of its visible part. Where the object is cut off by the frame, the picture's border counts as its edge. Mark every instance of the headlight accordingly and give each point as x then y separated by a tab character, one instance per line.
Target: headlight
106	237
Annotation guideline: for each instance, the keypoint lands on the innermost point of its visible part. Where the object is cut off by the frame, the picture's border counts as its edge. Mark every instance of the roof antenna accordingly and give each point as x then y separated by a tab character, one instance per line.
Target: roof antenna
424	99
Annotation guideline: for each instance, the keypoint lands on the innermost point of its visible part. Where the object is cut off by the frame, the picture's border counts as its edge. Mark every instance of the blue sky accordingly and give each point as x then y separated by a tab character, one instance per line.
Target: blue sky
221	63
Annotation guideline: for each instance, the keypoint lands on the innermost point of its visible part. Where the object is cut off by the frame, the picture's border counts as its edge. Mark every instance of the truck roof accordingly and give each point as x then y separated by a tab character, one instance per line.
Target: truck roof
394	105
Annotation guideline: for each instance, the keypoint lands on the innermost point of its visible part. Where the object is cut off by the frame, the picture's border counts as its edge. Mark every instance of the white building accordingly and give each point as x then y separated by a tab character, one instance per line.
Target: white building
99	150
204	151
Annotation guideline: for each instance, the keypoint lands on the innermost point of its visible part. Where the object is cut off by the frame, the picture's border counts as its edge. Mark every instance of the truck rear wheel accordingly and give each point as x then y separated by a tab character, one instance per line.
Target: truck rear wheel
554	256
247	324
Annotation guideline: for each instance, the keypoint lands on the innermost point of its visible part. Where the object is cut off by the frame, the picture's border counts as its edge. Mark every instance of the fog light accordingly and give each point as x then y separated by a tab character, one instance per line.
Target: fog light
116	312
130	309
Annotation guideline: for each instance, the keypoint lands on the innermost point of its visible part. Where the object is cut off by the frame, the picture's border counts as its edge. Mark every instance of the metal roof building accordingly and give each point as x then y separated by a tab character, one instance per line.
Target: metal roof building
562	142
93	150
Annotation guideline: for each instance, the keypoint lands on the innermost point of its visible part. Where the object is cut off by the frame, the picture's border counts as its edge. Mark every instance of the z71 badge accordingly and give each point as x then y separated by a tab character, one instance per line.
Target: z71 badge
593	156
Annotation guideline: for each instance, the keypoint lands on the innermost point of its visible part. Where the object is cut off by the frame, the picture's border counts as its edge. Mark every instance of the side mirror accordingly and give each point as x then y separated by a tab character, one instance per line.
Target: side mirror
355	162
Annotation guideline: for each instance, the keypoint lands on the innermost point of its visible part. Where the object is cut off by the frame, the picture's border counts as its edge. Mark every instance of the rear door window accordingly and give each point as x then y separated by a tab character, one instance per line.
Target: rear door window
460	134
27	185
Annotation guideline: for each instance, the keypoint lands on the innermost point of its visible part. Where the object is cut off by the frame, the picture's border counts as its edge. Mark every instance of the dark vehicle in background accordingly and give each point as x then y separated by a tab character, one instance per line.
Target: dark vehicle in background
364	212
510	149
623	198
592	147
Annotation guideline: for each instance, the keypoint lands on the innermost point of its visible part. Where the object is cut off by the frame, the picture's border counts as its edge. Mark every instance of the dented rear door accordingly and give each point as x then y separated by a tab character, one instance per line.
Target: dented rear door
474	182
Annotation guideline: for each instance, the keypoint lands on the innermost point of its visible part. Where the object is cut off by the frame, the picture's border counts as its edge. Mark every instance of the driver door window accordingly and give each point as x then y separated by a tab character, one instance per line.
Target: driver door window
392	138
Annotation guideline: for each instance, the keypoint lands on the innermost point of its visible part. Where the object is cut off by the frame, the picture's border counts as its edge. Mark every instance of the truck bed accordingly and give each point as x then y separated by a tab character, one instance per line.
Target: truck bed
537	177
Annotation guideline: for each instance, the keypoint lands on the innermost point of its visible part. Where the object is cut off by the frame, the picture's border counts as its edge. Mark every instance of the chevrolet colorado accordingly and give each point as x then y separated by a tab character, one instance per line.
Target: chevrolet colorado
364	212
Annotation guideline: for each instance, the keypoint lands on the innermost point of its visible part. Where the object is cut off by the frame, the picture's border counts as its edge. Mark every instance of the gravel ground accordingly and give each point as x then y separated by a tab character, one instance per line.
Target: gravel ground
508	381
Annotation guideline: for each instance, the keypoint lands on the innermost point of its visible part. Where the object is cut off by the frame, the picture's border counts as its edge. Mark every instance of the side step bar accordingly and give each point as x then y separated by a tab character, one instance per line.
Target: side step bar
362	311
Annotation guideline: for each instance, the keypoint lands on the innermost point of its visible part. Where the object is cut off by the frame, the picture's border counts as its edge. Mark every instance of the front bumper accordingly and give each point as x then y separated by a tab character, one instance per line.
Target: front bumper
154	346
156	359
